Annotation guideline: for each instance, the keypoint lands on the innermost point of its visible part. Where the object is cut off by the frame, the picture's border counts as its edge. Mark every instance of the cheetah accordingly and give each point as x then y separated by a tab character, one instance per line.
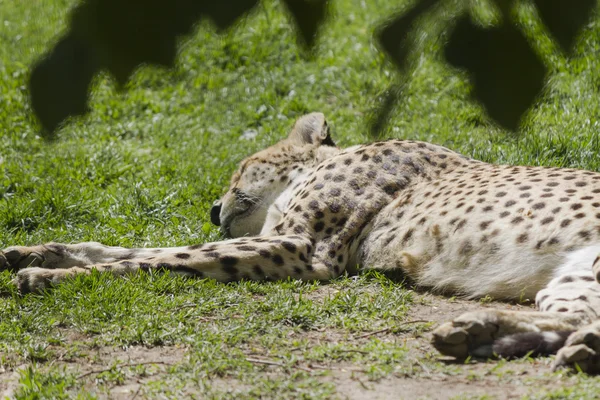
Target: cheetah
306	209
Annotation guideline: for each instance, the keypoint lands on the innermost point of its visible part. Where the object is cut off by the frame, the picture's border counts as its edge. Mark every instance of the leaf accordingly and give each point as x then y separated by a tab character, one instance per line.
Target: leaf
394	35
225	13
118	36
126	34
59	83
505	7
381	115
565	19
507	75
308	15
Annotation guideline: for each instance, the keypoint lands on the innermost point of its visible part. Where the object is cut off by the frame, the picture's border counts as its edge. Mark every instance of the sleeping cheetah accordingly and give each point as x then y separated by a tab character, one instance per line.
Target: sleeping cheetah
306	209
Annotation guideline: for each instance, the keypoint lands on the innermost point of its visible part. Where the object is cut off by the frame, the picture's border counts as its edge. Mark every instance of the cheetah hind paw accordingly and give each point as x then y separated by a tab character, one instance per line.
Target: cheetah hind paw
581	350
470	334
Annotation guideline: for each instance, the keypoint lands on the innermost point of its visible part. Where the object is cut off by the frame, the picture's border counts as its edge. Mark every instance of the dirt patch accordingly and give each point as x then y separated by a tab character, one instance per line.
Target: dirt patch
422	373
92	362
506	380
353	387
154	361
413	379
440	309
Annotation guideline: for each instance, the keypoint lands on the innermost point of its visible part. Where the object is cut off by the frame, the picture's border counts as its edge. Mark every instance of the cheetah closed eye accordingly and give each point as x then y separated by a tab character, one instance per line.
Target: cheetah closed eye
306	209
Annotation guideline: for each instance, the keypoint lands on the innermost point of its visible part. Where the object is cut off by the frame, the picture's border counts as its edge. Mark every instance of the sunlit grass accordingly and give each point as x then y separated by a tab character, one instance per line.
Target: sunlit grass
145	165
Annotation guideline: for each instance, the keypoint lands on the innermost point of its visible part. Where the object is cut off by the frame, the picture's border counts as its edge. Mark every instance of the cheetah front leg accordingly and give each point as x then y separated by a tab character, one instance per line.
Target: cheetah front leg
259	258
57	255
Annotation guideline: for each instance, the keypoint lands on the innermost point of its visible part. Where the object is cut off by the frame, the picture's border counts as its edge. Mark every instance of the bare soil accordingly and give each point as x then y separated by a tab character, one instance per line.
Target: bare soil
474	379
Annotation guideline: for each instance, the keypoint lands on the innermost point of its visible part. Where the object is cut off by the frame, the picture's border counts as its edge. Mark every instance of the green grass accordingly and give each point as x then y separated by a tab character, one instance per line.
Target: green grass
145	165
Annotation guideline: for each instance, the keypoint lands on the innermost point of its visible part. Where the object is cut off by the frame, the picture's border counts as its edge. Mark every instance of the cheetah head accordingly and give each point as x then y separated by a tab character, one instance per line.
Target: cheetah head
265	176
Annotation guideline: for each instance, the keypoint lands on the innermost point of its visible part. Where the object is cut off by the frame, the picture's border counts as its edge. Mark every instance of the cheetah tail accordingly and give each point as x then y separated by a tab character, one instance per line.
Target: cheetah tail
530	343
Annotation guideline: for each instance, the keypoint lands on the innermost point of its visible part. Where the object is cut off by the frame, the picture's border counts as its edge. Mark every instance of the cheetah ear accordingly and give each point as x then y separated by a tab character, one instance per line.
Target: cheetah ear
311	129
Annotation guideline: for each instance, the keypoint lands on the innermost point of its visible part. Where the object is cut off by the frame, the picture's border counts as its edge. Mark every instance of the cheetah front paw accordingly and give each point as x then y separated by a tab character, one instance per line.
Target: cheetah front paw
581	350
16	258
36	280
470	334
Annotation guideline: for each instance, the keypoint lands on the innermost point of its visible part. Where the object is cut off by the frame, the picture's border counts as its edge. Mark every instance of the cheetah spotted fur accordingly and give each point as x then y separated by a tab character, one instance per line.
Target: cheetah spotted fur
306	209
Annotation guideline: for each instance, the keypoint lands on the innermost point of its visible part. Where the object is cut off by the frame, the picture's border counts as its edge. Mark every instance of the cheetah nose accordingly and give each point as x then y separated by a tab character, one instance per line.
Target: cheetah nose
215	213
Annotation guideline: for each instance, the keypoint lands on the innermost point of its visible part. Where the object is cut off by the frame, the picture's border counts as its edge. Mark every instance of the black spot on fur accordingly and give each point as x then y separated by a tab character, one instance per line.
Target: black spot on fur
264	253
584	234
145	267
127	263
390	189
566	279
289	246
183	256
554	240
187	270
228	261
407	236
258	270
278	260
127	256
484	225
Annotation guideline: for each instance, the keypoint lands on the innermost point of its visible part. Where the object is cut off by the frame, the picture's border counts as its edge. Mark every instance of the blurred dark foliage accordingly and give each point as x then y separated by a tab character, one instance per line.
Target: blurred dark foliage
117	36
59	83
506	73
394	35
564	19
